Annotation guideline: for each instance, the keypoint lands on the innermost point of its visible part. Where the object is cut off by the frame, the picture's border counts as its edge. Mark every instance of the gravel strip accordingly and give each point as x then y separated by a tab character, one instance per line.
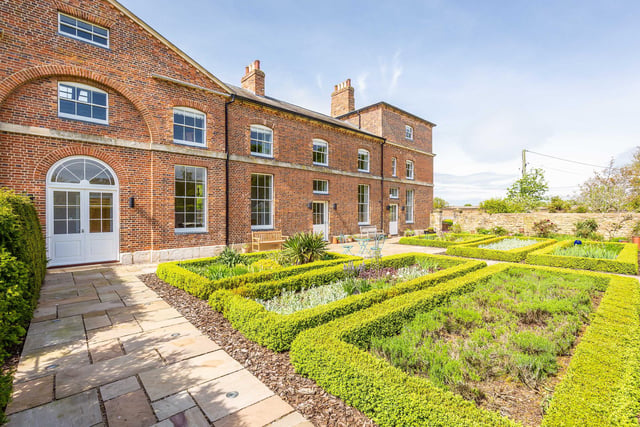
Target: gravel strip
273	369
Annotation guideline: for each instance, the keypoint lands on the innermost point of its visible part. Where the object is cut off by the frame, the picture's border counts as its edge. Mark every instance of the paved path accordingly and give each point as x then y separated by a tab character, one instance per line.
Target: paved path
100	339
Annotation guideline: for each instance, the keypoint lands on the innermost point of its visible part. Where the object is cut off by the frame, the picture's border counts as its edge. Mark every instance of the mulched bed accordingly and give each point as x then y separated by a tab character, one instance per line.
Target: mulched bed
273	369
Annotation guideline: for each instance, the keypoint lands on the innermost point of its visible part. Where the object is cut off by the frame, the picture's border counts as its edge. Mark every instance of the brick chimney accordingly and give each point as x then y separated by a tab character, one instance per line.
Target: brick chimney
342	99
253	79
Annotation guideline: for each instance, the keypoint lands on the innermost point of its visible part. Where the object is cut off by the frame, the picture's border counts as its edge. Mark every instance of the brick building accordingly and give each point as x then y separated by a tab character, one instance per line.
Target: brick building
132	151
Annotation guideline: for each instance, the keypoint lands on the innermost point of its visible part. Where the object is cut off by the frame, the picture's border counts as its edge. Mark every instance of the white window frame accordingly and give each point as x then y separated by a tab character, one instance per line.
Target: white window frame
394	193
410	169
261	129
76	101
364	203
408	132
326	186
269	200
321	143
187	230
394	166
410	206
186	111
91	30
366	159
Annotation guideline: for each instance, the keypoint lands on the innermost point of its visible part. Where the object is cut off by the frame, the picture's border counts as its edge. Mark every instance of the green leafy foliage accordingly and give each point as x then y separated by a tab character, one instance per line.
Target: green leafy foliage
302	248
229	257
22	268
590	251
439	203
556	204
600	388
191	275
277	331
517	254
544	228
444	241
626	261
485	334
586	229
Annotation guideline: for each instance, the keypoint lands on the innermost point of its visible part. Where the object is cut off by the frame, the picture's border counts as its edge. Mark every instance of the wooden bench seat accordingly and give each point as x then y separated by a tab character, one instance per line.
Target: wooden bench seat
266	238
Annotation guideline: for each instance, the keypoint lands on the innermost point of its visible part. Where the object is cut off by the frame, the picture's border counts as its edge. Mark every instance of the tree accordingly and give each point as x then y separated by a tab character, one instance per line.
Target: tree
531	187
632	173
605	192
439	203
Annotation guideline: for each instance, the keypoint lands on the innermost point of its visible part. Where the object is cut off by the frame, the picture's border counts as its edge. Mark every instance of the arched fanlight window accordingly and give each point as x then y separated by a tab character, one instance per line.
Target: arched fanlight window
82	170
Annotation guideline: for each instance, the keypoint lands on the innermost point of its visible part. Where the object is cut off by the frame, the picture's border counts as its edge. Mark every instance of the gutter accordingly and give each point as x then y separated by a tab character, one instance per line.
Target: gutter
226	168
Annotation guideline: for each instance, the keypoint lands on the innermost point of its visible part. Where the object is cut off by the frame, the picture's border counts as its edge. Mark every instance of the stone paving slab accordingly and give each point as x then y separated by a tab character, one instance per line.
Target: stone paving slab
80	410
229	394
294	419
179	376
101	337
259	414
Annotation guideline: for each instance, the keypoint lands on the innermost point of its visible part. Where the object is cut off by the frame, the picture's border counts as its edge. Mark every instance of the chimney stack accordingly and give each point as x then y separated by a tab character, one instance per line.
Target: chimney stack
253	79
342	99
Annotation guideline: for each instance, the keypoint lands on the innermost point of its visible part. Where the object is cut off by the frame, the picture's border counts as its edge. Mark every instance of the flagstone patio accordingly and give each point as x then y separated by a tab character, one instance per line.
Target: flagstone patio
104	349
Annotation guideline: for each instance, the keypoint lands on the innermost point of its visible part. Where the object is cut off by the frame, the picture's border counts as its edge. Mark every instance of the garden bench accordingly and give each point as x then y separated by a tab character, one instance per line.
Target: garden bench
369	230
266	238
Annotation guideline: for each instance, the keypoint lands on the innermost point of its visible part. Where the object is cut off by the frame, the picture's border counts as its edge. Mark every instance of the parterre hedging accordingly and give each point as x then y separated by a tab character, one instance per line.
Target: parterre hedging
277	331
625	263
471	250
428	240
177	275
23	265
601	386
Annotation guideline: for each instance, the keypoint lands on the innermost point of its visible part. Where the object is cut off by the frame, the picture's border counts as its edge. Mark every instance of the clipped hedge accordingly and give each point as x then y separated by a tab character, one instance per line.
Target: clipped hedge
335	356
429	240
625	263
177	275
277	331
23	265
471	250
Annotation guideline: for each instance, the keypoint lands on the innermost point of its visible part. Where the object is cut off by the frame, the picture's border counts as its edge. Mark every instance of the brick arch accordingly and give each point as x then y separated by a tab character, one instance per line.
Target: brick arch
184	102
11	83
43	166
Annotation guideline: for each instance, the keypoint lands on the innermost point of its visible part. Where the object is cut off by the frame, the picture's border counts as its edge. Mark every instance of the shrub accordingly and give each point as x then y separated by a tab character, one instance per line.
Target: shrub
448	222
472	250
409	232
481	230
302	248
586	229
449	239
499	231
556	204
625	263
544	228
229	257
265	264
580	209
456	228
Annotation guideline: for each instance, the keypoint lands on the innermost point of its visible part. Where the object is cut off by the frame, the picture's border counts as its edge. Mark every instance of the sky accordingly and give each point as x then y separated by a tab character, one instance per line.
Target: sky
558	78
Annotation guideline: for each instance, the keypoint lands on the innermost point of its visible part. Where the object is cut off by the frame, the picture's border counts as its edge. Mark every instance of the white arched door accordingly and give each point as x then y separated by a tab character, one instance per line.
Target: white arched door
82	212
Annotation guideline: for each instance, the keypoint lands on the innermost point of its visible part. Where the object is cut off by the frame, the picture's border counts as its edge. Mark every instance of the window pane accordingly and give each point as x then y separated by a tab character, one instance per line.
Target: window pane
180	189
178	117
73	226
99	99
107	225
60	227
95	226
67	107
198	136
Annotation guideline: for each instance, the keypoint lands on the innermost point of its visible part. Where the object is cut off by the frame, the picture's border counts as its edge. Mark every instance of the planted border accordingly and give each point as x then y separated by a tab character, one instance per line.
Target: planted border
277	331
176	275
437	243
625	263
471	250
598	389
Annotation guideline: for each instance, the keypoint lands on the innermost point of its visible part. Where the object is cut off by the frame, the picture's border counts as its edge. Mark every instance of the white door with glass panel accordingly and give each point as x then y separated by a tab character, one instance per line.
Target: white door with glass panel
321	218
82	206
393	219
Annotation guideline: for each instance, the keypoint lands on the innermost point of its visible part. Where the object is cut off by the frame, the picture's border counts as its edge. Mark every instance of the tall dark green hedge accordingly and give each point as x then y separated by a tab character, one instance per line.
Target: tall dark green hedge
23	265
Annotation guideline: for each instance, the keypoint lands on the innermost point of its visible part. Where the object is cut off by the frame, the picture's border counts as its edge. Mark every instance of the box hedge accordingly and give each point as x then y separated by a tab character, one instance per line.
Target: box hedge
625	263
277	331
23	265
432	240
471	250
599	389
177	275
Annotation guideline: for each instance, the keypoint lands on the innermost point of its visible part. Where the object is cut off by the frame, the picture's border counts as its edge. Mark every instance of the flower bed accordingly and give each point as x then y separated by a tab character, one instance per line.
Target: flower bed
504	250
277	331
449	239
626	261
600	386
183	274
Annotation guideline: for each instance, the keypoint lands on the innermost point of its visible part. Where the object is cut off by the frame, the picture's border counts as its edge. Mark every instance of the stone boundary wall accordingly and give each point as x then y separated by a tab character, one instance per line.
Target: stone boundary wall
471	218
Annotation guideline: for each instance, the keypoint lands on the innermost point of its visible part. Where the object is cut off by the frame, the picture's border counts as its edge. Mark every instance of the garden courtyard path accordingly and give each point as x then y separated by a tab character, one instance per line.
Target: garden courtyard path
104	349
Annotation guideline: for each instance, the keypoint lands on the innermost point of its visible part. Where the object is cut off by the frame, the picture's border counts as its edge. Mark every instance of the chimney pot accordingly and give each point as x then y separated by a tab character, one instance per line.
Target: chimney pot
342	99
253	79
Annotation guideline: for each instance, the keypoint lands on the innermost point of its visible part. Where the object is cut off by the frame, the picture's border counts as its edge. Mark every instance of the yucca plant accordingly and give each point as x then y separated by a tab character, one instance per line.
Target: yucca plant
302	248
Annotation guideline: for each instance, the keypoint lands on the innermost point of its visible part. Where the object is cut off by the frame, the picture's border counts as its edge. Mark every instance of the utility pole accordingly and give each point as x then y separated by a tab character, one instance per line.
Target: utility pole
524	163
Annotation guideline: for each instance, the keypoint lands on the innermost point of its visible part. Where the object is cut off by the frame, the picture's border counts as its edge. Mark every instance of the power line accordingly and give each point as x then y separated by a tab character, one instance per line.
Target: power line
567	160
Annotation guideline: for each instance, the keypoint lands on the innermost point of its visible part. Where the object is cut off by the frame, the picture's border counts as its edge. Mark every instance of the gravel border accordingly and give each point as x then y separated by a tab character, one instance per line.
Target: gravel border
273	369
